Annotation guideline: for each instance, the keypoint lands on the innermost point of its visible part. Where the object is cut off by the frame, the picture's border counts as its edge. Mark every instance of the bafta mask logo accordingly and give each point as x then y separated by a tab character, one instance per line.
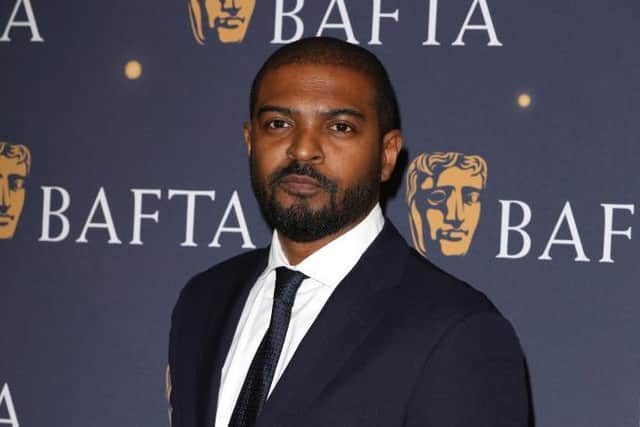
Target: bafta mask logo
443	194
229	18
15	162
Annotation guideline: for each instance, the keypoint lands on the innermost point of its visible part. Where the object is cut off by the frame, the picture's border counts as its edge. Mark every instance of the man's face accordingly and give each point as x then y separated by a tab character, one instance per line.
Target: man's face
452	208
315	149
230	18
12	177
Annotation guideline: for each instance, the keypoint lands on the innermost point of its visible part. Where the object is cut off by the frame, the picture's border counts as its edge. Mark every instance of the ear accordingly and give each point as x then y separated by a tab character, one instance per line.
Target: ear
246	129
391	146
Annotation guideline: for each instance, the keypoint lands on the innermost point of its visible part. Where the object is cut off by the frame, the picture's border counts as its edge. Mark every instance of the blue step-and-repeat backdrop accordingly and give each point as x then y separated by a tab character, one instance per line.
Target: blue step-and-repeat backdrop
123	172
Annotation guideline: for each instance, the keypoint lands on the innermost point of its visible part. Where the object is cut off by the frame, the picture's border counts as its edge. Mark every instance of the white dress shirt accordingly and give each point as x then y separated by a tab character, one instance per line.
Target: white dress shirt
325	269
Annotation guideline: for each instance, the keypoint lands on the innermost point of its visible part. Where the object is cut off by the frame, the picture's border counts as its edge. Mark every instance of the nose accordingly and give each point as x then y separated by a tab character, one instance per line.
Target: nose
230	7
305	147
4	195
455	209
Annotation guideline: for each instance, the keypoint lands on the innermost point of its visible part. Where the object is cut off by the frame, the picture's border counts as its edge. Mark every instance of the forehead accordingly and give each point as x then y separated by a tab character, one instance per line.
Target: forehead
454	176
316	85
10	165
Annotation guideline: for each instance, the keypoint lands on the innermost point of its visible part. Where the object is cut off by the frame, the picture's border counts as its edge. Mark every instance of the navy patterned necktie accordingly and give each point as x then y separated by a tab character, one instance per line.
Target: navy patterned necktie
255	388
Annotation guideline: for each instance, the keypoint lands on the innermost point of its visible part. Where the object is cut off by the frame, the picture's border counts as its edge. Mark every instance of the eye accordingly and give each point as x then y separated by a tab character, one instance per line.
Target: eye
277	124
437	197
341	127
16	182
471	196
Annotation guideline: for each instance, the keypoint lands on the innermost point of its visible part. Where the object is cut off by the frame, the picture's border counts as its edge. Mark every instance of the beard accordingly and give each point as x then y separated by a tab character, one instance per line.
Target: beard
302	223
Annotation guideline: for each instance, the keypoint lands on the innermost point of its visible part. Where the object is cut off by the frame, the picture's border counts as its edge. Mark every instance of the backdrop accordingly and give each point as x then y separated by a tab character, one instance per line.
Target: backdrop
123	172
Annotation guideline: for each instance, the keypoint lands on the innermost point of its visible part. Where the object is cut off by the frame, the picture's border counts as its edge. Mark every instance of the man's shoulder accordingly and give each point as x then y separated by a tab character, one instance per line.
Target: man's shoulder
224	272
425	284
432	304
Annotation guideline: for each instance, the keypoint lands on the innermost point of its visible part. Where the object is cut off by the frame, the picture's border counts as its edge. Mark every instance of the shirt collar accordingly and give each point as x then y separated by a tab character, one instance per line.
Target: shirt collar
331	263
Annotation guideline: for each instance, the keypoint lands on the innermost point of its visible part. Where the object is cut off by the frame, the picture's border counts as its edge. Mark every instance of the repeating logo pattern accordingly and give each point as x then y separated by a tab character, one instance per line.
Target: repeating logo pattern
15	164
443	196
228	18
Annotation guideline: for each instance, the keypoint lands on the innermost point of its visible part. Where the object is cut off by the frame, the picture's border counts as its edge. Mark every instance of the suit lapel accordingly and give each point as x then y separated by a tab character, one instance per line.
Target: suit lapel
353	309
222	330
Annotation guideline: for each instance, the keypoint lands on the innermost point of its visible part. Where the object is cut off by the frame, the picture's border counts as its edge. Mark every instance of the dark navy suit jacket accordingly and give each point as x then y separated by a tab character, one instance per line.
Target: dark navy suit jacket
398	343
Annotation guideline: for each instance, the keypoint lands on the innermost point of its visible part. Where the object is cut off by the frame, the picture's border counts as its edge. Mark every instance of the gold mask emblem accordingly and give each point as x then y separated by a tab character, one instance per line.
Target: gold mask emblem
15	163
230	18
443	195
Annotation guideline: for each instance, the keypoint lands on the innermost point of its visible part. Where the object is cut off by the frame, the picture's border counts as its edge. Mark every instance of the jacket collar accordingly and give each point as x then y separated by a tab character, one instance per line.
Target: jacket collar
353	309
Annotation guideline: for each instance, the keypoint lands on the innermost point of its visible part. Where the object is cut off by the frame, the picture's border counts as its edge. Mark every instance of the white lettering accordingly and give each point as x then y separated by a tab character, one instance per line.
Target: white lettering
138	216
5	397
566	214
431	30
377	17
488	24
30	22
102	202
344	24
505	228
47	213
242	228
191	207
279	18
609	231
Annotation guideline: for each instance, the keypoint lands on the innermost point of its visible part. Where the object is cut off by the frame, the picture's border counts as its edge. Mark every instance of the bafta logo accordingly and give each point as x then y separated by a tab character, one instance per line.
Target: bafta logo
443	194
15	162
229	18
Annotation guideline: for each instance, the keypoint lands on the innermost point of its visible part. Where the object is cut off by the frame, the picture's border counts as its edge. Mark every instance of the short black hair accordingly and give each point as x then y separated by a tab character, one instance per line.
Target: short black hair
332	51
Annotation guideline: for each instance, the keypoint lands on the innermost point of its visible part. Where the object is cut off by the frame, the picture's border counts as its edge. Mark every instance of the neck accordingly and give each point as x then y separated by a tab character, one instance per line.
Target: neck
296	252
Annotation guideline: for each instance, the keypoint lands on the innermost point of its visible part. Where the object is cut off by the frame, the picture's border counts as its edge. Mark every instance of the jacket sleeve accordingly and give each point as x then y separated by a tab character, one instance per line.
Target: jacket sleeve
475	376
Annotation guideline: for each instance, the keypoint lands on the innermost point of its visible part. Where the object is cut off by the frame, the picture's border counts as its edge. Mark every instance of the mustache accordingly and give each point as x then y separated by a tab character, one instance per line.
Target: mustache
305	169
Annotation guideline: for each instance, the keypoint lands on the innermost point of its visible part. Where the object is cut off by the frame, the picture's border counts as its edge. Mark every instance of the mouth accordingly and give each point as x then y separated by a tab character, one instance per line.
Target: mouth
230	21
299	185
454	235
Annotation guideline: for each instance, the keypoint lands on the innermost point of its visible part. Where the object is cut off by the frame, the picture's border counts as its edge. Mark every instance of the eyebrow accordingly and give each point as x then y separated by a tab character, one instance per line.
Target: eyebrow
333	112
274	109
344	112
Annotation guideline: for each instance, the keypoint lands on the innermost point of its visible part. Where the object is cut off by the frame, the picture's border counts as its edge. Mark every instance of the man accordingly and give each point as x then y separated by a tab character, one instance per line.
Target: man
446	188
15	162
338	322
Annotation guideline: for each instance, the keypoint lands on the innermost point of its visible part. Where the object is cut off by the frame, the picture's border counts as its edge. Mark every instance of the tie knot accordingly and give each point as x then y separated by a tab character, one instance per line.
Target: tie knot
287	284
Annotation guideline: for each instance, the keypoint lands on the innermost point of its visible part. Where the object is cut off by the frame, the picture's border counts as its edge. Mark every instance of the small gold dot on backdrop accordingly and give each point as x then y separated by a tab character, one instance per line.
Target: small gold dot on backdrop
524	100
133	70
